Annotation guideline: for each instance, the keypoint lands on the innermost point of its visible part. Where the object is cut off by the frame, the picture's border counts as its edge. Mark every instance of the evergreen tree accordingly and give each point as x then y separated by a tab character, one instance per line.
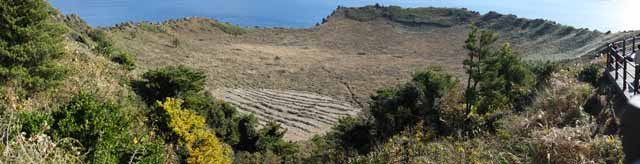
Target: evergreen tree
497	78
29	43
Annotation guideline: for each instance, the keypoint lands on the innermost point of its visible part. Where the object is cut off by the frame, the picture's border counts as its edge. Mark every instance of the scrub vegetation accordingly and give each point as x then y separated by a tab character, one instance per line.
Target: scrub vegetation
71	94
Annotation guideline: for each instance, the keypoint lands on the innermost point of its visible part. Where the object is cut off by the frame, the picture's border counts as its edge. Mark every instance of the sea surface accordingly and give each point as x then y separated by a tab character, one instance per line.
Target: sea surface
603	15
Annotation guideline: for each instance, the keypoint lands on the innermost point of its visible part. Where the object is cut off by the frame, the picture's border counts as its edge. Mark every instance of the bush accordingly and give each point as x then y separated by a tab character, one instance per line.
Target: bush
562	104
100	127
543	71
220	116
591	74
34	123
104	45
125	59
200	143
29	47
575	145
169	81
352	136
498	78
231	29
394	110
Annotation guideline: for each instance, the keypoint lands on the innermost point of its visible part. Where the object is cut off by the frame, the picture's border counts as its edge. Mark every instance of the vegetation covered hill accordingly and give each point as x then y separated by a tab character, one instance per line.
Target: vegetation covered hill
154	93
354	52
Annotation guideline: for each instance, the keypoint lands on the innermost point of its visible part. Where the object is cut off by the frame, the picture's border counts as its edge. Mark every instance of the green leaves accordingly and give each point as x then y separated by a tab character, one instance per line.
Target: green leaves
29	43
170	82
97	125
394	110
497	77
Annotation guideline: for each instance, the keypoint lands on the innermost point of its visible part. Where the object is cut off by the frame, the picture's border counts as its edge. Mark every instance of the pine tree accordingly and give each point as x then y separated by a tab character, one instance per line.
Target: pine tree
497	78
29	44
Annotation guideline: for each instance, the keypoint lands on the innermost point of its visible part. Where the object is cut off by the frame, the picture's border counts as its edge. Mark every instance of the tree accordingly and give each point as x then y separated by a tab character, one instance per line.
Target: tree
497	78
394	110
170	81
29	44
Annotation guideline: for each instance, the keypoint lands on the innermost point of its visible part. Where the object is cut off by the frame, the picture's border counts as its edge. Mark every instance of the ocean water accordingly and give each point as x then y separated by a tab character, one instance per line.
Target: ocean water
603	15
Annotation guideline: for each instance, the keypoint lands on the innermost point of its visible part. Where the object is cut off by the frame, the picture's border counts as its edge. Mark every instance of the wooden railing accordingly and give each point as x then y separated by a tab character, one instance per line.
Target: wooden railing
630	75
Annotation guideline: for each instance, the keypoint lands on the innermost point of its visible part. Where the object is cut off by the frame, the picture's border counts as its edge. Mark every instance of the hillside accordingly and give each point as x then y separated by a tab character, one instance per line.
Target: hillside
354	52
360	88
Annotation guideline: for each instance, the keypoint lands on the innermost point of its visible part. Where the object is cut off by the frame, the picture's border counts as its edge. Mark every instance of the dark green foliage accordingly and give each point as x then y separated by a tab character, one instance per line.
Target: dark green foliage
29	44
497	78
249	135
239	131
169	81
271	140
352	135
103	130
152	27
125	59
591	74
104	45
394	110
543	71
33	123
232	29
100	127
267	139
220	116
413	16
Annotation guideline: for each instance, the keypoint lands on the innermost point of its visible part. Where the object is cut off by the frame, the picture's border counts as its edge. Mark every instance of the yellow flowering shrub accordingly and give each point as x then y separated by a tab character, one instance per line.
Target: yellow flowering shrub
200	142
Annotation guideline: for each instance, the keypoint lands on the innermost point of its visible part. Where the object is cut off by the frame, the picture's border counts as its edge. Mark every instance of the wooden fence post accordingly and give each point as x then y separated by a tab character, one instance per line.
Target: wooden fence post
608	53
633	48
617	65
624	47
636	80
624	75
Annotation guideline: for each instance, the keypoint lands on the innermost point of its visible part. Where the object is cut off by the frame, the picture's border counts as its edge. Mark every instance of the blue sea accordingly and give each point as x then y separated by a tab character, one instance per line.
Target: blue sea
603	15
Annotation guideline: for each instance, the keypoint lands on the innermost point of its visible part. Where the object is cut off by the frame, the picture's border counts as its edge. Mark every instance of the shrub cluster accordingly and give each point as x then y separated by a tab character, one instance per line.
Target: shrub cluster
238	131
413	16
190	130
104	46
103	130
170	81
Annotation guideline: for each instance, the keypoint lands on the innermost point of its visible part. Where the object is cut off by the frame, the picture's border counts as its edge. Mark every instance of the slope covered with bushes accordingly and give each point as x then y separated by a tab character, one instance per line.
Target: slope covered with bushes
78	97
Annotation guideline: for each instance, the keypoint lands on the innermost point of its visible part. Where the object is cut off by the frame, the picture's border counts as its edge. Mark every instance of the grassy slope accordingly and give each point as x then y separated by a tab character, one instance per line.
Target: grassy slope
345	58
339	54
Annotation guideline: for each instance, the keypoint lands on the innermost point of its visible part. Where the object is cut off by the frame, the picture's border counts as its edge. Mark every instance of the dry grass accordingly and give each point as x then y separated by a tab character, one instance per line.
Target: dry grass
37	149
303	114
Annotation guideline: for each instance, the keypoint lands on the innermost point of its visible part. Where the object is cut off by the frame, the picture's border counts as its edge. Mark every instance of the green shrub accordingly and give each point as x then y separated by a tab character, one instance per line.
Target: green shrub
220	116
104	45
125	59
232	29
34	123
412	16
29	47
152	27
394	110
271	140
249	134
543	71
498	78
100	127
591	74
191	133
351	136
169	82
